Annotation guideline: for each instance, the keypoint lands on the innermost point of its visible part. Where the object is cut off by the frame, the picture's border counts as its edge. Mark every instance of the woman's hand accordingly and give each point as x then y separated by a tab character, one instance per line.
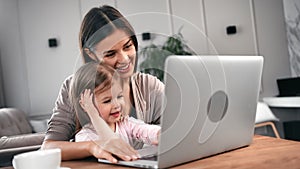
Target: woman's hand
115	146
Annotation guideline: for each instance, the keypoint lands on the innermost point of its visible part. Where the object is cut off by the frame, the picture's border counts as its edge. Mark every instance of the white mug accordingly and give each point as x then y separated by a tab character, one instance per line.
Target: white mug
41	159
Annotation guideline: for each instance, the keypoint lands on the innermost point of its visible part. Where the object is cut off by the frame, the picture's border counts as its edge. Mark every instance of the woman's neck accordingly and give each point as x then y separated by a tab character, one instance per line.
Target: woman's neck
126	81
127	89
128	96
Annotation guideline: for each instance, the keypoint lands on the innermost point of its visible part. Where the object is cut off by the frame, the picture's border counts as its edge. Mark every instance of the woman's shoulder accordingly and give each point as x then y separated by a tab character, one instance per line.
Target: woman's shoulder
140	76
147	80
67	81
65	87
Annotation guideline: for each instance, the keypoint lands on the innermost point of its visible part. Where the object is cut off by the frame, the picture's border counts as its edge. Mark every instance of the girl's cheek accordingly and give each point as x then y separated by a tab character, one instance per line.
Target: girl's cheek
123	103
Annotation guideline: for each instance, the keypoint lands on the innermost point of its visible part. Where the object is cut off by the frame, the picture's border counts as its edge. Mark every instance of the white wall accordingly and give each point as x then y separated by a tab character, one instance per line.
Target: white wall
145	15
12	57
48	67
221	14
272	39
260	31
86	5
192	24
33	72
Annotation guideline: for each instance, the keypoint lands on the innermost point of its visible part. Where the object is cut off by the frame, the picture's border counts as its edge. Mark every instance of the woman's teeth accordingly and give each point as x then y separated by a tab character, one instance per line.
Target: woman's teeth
123	67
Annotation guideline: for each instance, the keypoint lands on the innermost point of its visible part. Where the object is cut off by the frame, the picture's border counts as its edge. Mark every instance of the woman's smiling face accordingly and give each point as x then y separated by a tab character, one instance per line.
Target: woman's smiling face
118	51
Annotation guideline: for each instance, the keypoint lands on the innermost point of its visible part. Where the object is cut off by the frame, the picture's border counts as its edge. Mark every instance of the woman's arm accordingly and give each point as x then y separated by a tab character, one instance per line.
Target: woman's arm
70	150
98	149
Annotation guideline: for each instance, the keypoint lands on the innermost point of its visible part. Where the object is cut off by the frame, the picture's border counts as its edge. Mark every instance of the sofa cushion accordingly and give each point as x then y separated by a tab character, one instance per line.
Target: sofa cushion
13	122
21	140
39	126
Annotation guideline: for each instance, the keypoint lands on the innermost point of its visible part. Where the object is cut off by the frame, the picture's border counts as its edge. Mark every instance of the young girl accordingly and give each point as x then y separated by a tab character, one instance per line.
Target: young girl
97	91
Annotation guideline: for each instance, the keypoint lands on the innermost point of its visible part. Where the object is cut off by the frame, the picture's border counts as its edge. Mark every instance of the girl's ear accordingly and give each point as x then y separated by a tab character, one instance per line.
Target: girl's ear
90	54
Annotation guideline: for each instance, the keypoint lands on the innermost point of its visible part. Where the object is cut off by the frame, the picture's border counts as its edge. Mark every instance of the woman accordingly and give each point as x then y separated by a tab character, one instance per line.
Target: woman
106	36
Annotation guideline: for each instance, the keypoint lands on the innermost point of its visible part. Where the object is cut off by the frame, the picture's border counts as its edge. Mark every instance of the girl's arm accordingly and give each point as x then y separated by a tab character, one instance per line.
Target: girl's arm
147	133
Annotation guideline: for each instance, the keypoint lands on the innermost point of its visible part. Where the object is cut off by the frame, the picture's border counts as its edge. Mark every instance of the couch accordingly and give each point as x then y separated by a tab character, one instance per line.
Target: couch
16	135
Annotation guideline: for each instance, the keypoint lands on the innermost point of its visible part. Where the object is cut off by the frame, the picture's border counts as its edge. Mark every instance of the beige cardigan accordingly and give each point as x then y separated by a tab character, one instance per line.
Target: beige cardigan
148	93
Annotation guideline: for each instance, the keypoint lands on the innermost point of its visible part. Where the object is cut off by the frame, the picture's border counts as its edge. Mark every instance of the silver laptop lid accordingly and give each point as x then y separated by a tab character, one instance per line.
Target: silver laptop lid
210	106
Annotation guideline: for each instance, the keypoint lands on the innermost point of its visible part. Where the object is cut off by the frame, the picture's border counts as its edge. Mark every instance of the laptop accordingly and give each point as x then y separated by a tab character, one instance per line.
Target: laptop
288	86
210	105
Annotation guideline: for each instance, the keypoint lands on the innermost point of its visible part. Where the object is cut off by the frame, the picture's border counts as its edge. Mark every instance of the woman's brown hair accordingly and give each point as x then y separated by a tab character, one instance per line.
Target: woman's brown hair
99	23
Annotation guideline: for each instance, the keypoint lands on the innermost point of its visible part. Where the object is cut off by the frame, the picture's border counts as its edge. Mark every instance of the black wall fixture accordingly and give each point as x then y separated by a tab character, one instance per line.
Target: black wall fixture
52	42
146	36
231	29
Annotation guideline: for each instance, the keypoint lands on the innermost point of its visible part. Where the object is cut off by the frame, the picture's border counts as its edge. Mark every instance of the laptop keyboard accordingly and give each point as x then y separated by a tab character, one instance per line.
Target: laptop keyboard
148	152
150	158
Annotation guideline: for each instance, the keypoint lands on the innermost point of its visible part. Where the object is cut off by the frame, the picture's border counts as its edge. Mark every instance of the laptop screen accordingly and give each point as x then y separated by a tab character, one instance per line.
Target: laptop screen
289	86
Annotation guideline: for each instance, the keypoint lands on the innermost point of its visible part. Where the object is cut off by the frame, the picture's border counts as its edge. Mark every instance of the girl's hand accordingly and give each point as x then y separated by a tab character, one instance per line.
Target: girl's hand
86	102
155	142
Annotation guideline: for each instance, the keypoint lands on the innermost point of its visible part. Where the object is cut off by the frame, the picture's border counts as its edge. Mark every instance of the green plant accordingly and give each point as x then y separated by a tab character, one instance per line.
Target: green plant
155	55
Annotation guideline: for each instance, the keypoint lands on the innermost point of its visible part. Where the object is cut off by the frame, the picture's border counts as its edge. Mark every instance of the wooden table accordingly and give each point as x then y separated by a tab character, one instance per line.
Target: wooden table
264	152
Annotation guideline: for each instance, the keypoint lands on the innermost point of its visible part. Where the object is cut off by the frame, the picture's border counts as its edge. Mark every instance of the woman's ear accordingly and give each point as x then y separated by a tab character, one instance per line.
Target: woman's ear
90	54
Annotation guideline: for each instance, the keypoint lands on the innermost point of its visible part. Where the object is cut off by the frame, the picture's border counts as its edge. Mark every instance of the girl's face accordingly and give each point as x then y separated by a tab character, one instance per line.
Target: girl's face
110	104
118	51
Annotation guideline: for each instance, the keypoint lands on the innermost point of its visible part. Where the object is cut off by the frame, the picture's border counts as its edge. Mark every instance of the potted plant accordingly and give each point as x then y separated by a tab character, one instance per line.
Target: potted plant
154	56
